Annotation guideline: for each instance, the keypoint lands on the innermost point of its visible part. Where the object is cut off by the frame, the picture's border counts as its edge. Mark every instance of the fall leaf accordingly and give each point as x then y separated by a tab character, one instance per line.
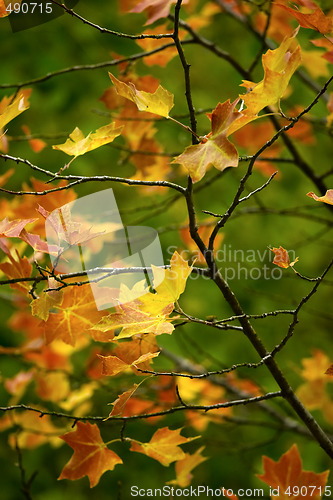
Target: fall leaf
16	229
159	103
327	198
163	446
312	393
129	352
35	241
133	321
149	314
20	268
315	20
314	367
112	365
120	403
185	466
148	44
281	258
12	106
41	306
78	144
13	229
65	228
279	65
76	315
215	149
288	472
155	9
91	456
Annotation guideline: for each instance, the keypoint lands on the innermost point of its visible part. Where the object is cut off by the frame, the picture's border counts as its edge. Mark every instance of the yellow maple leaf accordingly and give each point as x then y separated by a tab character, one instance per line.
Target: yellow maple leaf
78	144
327	198
10	107
41	306
159	103
279	66
163	446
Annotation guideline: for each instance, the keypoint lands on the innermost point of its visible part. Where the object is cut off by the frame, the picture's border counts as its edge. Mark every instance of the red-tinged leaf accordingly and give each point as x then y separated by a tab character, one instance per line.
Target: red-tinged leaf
120	403
12	106
159	103
112	365
163	446
91	456
288	472
315	20
155	9
215	149
281	258
13	229
16	269
35	241
66	229
327	198
185	466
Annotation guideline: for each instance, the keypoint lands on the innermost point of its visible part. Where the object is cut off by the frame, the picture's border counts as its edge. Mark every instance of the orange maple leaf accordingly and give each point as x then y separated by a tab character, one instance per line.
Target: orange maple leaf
281	258
120	403
215	149
327	198
91	456
112	365
20	268
163	446
315	20
288	473
76	315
